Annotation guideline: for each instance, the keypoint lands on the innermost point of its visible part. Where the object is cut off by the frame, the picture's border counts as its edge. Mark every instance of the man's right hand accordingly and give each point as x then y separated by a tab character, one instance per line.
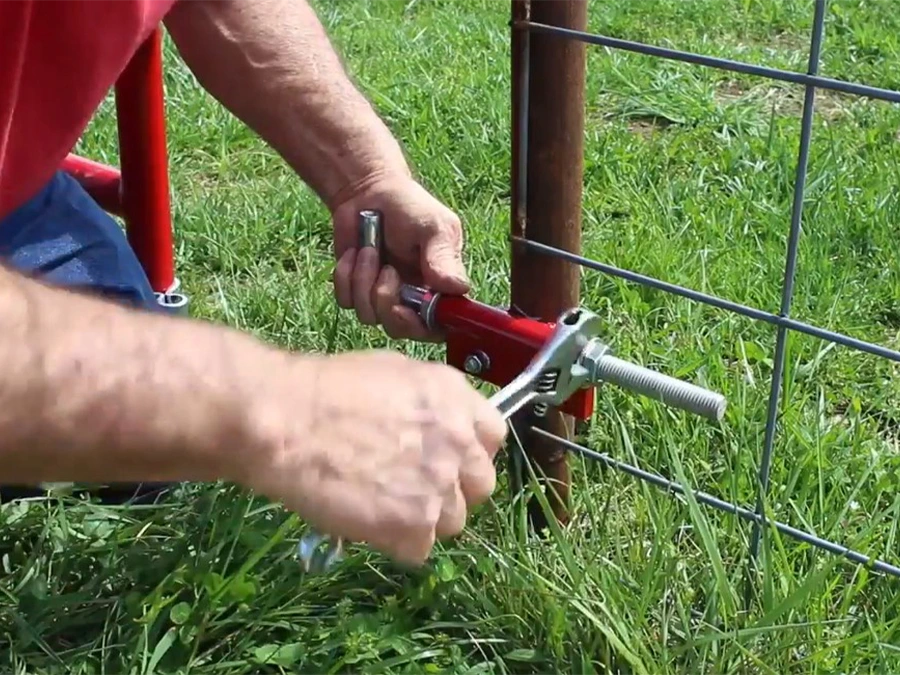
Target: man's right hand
386	450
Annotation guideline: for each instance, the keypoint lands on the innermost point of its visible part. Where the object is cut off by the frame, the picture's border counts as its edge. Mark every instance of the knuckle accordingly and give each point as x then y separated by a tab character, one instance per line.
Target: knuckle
485	482
441	472
384	296
454	228
449	221
493	422
415	553
451	377
461	434
452	523
415	535
478	478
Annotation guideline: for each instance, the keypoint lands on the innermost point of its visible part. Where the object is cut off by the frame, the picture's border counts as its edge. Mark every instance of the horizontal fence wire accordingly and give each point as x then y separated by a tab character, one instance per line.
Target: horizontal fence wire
712	300
812	81
667	485
718	63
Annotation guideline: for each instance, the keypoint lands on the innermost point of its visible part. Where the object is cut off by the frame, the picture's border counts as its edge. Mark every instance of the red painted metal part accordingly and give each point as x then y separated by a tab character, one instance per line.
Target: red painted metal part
139	191
140	115
508	341
101	182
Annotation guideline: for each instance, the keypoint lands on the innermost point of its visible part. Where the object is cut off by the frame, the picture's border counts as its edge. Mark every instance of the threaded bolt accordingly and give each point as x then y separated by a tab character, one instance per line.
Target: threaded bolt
607	368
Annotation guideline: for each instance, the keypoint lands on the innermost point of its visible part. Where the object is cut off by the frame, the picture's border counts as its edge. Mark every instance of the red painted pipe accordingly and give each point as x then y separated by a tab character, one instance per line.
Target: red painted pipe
102	182
140	115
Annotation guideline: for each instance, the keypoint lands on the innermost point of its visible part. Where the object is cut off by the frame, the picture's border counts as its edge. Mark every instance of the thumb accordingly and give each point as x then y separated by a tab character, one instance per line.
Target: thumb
442	265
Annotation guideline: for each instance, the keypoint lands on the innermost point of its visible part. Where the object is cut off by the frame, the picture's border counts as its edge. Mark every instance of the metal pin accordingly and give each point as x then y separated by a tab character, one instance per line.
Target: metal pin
370	234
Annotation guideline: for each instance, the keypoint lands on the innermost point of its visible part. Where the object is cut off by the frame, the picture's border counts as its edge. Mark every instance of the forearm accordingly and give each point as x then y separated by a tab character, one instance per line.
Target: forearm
94	392
270	62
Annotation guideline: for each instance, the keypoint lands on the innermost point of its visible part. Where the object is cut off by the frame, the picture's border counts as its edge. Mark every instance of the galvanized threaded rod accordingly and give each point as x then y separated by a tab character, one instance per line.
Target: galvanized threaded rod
669	390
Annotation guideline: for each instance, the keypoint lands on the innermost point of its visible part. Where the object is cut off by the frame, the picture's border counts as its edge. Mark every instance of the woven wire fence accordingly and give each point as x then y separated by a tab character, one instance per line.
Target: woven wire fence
811	81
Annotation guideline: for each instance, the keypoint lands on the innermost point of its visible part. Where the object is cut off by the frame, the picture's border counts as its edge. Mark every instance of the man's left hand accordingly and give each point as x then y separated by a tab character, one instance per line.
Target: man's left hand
423	243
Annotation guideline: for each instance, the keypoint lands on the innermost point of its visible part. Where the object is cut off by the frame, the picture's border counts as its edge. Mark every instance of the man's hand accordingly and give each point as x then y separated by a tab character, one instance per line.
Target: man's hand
270	62
423	244
369	446
391	452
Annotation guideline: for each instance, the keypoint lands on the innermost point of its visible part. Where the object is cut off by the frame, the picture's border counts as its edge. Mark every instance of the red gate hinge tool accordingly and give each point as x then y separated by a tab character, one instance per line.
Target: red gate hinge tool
535	363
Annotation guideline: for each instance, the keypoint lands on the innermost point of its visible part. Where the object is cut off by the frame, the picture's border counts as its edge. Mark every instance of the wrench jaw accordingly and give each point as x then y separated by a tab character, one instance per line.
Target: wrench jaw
556	371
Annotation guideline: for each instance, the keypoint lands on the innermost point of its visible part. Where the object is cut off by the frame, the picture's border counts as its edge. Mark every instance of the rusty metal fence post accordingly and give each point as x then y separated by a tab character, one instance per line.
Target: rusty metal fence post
548	77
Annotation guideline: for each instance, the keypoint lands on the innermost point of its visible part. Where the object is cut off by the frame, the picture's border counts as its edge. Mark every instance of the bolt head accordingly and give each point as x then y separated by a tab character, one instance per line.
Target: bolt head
473	364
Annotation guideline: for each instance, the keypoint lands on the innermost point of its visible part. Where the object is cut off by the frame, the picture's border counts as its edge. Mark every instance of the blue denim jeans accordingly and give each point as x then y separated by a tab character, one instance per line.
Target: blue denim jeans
63	237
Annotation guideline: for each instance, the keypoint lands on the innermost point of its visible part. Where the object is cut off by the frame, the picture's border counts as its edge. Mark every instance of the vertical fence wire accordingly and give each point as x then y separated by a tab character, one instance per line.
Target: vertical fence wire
787	288
520	75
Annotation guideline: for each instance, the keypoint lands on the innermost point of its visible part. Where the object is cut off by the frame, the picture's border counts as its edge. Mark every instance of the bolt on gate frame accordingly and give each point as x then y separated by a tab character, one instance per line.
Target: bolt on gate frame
549	38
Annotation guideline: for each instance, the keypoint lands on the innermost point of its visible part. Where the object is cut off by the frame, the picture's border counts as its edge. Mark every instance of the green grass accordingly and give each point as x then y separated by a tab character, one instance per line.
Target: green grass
689	176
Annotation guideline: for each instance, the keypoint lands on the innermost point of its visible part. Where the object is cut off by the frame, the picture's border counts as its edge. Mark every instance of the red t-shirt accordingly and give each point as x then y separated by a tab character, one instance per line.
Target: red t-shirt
58	60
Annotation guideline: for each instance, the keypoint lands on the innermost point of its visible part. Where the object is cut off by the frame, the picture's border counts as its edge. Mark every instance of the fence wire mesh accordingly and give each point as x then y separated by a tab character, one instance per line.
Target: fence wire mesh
811	81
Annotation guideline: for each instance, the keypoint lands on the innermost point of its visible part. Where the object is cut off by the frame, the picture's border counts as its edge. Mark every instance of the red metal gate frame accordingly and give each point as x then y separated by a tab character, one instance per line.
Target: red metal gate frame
138	191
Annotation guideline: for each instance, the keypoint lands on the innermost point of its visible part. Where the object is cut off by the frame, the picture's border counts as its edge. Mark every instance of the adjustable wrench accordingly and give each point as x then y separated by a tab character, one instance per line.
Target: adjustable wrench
571	359
555	373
